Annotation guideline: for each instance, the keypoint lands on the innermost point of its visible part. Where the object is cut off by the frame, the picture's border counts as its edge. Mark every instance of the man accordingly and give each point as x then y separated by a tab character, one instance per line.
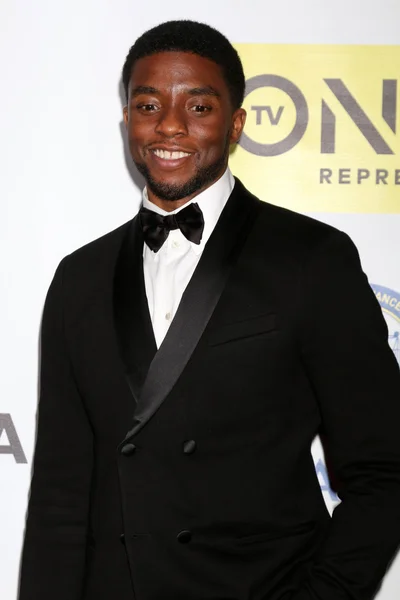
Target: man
188	360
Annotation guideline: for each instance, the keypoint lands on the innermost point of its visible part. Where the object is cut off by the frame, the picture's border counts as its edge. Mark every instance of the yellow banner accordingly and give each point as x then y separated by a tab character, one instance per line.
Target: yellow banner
322	130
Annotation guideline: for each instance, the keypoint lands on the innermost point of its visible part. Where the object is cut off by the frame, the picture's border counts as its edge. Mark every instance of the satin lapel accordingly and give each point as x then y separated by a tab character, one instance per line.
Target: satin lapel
131	314
198	303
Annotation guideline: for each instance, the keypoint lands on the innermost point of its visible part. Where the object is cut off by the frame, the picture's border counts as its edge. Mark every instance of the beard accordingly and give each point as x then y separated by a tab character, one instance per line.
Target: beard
203	177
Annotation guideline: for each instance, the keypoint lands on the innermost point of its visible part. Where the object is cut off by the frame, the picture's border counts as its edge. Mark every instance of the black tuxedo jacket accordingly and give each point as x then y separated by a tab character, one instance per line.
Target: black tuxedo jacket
186	473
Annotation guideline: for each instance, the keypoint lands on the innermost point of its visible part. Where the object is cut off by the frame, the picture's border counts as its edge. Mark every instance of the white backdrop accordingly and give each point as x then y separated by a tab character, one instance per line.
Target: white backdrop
65	180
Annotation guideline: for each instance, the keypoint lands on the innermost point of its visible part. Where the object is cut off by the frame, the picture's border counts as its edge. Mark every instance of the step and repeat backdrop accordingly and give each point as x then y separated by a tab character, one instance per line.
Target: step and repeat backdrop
322	137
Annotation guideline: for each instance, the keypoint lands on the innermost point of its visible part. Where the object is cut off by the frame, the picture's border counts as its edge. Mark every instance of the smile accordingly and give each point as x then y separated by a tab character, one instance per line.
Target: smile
167	155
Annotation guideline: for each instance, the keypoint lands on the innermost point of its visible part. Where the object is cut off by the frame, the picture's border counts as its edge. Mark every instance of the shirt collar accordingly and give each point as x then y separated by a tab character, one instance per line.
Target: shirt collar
211	201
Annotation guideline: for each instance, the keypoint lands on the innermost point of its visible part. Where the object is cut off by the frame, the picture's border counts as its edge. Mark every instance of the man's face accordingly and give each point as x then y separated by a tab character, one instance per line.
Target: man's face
180	123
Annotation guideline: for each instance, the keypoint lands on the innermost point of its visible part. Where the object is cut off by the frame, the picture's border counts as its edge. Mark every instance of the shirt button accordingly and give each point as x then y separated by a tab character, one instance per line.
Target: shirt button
175	244
184	536
168	316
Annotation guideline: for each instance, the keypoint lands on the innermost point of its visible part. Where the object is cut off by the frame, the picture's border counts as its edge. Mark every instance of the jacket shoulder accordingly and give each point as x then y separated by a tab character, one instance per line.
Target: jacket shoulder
99	251
92	265
287	227
101	245
295	232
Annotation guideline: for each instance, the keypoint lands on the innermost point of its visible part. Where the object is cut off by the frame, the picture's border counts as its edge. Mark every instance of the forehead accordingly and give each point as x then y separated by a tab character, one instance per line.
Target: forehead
170	69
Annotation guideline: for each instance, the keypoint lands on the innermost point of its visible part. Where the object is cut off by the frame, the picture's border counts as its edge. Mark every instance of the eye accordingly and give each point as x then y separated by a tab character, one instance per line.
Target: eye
146	107
200	108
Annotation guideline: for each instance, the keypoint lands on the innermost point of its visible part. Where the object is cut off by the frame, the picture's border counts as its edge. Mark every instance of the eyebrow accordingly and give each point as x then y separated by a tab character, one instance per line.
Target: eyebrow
207	90
143	89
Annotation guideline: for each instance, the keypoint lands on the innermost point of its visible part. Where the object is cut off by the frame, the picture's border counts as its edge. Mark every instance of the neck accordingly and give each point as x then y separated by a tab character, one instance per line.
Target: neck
169	205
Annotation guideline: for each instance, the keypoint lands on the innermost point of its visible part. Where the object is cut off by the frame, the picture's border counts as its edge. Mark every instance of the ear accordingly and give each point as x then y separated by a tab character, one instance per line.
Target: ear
238	121
125	115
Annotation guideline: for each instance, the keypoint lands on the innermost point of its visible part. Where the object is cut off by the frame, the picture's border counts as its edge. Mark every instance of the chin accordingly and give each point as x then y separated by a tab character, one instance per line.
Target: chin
176	186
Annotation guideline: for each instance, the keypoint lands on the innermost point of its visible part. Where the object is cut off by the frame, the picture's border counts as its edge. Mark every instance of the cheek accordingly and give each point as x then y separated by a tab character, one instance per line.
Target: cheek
211	139
137	139
139	130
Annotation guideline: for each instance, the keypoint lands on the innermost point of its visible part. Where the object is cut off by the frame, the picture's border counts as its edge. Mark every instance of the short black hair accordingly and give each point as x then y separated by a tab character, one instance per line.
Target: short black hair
195	38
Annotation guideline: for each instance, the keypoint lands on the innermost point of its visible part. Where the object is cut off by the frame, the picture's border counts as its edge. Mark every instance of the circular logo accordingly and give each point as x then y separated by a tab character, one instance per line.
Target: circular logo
300	126
390	304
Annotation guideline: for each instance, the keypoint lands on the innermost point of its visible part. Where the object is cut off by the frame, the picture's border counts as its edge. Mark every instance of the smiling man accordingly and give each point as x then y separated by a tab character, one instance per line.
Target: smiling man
186	150
188	363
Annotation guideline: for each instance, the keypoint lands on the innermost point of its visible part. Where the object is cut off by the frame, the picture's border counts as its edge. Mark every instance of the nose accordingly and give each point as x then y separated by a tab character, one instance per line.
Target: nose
172	122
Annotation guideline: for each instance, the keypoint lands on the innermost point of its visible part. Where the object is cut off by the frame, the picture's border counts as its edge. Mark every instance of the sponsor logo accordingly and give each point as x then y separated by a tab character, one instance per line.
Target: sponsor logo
13	445
323	478
322	131
390	304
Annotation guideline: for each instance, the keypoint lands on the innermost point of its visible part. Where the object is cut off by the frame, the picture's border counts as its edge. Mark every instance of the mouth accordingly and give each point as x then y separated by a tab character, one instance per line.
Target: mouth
169	159
170	155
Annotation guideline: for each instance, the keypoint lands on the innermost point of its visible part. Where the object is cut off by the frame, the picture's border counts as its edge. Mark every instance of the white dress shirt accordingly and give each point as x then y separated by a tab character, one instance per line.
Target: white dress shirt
168	271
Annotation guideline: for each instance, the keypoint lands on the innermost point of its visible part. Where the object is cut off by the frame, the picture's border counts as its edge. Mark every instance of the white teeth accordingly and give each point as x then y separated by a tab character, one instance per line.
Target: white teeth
167	155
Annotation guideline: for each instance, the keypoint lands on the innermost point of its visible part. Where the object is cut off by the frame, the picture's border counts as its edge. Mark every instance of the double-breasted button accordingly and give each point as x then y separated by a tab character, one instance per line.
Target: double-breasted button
122	539
128	449
189	447
184	536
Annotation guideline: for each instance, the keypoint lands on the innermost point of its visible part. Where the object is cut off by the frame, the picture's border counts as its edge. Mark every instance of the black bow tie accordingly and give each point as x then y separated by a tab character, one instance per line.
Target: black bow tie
156	228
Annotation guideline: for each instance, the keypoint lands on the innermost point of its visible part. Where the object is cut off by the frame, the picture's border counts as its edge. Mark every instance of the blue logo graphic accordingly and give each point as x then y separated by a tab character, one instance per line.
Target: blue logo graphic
390	304
323	478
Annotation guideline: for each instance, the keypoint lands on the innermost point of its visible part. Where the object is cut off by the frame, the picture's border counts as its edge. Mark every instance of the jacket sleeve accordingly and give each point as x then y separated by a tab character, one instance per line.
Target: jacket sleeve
356	380
53	558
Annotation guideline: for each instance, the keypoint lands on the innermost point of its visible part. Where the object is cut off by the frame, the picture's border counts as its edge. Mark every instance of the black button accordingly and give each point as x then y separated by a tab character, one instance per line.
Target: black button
122	539
128	449
189	447
184	536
